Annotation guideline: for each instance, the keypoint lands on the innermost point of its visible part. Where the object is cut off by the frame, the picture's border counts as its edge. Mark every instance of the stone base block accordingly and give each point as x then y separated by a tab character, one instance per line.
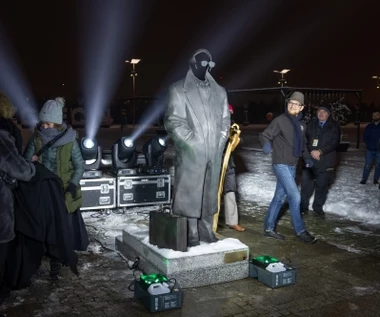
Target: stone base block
207	264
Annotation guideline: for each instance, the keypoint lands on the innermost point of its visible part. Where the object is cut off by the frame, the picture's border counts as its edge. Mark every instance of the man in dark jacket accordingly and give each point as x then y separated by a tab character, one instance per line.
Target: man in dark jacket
12	168
323	137
372	142
287	133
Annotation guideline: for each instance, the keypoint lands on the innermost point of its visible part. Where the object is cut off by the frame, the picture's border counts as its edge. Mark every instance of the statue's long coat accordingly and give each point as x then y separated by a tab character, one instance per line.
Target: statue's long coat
199	130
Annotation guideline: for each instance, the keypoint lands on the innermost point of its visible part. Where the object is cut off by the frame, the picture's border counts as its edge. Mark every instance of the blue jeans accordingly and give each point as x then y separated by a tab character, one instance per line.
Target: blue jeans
371	156
286	187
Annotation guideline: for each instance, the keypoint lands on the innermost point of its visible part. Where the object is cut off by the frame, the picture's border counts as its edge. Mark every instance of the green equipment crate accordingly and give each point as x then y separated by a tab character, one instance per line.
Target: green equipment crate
257	269
155	303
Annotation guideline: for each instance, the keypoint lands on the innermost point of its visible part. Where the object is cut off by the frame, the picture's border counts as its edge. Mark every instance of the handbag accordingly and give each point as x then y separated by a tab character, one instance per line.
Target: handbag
167	230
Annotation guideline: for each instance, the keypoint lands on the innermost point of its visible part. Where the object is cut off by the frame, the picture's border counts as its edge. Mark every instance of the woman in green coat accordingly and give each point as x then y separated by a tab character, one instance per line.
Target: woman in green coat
64	158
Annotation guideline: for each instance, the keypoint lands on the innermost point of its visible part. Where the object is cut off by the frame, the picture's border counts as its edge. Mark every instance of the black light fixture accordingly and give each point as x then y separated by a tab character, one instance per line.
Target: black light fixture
91	153
154	150
124	153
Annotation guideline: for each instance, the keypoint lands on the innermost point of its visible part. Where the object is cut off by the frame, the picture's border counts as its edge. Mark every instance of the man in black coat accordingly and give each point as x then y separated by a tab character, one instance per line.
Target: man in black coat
42	225
13	167
323	138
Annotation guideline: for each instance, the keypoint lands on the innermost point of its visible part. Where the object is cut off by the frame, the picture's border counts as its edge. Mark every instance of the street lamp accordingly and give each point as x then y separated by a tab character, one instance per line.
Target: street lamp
377	81
134	61
282	81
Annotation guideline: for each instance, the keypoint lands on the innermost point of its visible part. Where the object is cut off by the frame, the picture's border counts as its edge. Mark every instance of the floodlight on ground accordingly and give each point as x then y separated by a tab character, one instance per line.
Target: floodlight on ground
124	153
92	155
154	150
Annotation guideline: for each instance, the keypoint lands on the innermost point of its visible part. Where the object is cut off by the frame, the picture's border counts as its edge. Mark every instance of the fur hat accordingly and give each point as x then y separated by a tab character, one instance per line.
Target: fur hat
325	107
52	111
6	108
297	96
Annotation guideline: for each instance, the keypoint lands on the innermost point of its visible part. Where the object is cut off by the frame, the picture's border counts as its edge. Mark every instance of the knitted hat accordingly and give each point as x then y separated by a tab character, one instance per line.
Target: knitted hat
52	111
325	107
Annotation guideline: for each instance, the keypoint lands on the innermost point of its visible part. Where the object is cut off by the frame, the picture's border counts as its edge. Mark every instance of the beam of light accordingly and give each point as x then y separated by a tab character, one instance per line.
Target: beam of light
223	37
109	32
150	116
287	43
226	34
230	32
14	84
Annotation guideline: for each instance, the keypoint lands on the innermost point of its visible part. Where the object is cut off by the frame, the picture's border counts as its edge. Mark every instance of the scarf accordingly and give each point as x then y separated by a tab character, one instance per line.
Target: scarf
51	133
297	133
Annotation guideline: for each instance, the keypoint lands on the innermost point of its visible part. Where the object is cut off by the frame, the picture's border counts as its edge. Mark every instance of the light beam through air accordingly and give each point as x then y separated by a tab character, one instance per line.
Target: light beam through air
13	82
108	32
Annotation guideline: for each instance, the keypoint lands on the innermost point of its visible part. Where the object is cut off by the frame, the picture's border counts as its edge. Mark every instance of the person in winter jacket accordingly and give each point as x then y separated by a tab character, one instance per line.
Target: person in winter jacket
372	142
287	133
64	158
323	138
13	167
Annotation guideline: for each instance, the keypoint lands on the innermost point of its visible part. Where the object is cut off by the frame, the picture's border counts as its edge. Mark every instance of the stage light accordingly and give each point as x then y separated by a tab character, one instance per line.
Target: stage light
91	153
124	153
88	143
153	151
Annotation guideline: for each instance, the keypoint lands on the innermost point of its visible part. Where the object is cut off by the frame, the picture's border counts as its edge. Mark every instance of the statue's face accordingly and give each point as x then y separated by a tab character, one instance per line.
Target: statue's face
202	63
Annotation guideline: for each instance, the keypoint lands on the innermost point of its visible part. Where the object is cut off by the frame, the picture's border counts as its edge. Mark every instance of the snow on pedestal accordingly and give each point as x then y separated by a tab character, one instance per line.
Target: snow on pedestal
206	264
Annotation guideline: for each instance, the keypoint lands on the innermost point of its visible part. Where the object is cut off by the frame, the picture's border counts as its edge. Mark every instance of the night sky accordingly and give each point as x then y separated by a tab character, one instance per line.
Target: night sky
328	44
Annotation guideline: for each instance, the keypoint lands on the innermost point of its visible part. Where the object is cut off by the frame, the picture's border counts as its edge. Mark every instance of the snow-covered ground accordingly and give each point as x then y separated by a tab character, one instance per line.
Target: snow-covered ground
347	198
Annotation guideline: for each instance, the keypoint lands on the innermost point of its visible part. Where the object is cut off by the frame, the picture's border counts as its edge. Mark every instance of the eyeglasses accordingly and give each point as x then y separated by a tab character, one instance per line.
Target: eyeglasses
211	64
294	104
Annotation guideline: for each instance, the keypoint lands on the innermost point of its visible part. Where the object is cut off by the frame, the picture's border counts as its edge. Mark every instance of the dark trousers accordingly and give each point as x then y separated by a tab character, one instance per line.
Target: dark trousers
313	179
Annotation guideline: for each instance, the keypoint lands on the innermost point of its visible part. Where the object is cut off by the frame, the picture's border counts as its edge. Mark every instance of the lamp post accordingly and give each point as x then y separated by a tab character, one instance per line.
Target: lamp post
134	61
377	81
282	81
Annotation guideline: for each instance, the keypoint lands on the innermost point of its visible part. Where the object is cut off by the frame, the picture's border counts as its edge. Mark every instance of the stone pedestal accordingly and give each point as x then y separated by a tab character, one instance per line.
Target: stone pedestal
223	261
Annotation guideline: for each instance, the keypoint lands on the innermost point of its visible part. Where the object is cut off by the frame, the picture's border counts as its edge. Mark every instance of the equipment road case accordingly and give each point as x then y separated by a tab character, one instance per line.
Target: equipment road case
143	190
98	193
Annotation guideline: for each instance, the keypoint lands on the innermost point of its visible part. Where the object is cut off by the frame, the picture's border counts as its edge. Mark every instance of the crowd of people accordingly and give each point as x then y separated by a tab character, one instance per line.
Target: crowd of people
52	166
289	139
31	226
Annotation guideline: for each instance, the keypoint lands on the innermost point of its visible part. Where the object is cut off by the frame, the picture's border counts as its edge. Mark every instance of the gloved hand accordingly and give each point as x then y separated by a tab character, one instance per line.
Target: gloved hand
267	148
309	163
72	189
